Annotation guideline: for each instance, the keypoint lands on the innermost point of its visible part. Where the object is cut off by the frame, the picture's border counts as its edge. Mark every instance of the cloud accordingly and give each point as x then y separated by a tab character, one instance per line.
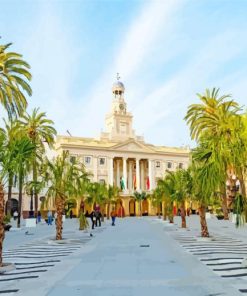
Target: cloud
50	51
166	106
135	47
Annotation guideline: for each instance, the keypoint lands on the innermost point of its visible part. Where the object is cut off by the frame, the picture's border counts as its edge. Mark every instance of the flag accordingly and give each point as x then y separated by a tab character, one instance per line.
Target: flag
148	183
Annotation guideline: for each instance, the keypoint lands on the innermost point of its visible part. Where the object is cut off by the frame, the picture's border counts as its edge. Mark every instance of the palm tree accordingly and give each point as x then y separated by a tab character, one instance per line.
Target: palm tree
4	167
156	198
211	115
167	189
23	151
217	118
40	130
83	184
10	133
61	177
139	197
112	193
14	78
97	193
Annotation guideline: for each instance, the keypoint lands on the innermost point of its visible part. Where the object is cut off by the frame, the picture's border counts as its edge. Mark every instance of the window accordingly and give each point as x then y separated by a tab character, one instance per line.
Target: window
87	160
72	159
180	165
102	181
169	165
157	164
102	161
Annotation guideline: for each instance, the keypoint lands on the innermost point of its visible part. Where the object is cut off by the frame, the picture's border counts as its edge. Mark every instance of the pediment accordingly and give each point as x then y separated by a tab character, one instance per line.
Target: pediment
132	146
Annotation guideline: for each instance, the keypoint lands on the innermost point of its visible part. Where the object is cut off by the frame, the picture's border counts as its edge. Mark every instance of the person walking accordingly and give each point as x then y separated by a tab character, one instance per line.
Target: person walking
113	217
93	219
98	218
15	215
39	217
49	216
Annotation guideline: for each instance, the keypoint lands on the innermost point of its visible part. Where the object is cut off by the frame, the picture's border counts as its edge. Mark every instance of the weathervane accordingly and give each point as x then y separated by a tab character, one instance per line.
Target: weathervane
118	77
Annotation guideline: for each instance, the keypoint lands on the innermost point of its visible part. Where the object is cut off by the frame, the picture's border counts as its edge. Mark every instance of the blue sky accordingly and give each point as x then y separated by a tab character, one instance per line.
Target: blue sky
165	51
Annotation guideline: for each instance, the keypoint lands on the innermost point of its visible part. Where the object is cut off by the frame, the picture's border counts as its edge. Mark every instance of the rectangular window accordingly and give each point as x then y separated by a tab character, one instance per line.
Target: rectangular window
102	181
157	164
87	160
102	161
180	165
72	159
169	165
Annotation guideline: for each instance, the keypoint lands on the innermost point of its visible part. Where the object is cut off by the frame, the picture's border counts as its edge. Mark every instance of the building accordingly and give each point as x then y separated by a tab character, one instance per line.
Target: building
120	156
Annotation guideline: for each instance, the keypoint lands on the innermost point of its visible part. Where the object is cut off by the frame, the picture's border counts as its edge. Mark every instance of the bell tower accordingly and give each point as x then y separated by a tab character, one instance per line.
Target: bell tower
118	122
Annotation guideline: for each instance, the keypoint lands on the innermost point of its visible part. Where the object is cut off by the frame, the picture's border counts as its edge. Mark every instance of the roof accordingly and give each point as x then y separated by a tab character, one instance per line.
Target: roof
113	145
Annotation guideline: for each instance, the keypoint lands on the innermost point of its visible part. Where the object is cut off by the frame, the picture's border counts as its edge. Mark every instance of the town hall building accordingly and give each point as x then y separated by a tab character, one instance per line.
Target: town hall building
121	158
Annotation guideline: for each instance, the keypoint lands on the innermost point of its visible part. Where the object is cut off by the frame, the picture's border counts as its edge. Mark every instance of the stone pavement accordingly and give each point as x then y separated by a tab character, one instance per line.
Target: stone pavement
139	256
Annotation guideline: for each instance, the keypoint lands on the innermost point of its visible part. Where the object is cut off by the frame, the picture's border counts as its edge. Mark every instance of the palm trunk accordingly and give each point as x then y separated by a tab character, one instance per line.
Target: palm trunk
20	198
204	227
171	217
103	214
164	211
183	215
224	202
59	222
108	211
1	223
224	207
35	179
10	185
242	184
158	211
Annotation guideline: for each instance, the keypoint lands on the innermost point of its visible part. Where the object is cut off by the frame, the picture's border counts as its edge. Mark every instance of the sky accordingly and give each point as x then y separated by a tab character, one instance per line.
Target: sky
166	52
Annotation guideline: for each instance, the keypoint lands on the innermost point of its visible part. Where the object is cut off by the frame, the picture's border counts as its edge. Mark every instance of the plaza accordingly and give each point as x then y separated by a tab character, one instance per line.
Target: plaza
123	148
139	256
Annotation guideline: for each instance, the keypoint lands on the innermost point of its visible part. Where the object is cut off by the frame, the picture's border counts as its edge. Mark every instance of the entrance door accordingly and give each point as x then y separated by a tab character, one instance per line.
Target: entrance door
132	208
13	206
145	207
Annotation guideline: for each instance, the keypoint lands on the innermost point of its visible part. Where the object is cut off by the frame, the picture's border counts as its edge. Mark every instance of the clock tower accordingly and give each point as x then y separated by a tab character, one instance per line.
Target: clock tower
118	122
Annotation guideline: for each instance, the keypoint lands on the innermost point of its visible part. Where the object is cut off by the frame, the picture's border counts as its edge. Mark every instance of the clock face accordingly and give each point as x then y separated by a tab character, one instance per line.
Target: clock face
121	106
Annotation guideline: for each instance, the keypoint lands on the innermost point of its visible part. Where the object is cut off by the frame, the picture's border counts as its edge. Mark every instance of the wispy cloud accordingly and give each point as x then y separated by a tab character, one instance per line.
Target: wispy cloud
134	48
52	56
167	105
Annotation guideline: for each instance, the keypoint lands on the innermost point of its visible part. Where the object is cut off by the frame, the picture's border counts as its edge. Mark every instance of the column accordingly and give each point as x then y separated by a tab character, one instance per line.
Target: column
142	181
110	171
137	174
118	173
95	169
125	172
130	176
150	173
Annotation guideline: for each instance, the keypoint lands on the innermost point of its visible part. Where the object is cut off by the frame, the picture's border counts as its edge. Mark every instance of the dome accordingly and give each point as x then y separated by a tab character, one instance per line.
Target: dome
118	87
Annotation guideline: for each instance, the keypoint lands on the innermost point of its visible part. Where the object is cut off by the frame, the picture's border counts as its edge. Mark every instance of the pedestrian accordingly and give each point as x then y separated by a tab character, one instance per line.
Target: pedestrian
71	214
93	219
49	216
113	217
98	218
15	215
38	217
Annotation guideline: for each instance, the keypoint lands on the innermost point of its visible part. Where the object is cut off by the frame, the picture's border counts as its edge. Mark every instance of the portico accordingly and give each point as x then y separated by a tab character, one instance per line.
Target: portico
136	173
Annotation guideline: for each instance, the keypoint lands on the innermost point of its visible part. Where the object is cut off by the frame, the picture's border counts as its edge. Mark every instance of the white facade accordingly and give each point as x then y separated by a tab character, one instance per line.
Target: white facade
119	153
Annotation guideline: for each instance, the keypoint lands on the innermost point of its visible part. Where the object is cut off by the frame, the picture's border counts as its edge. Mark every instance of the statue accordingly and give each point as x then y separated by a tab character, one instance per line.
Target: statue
122	183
